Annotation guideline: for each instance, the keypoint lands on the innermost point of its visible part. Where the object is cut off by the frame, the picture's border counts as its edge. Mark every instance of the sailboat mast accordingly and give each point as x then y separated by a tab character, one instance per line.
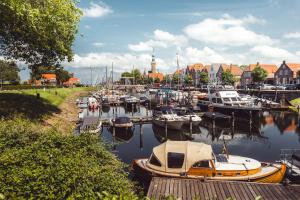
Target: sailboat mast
112	74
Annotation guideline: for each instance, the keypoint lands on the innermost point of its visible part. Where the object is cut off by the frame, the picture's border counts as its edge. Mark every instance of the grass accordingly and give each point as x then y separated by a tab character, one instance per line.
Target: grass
295	103
26	103
54	96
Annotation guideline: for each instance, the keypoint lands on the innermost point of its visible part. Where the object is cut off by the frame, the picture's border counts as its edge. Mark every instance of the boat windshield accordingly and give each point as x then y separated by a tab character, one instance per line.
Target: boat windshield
226	99
175	160
233	99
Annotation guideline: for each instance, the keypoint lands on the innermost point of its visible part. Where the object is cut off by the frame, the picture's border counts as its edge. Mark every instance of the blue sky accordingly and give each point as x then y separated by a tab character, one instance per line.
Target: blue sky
200	31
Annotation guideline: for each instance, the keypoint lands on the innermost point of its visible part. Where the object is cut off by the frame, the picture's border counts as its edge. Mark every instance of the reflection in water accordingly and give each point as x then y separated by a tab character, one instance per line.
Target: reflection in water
122	134
261	140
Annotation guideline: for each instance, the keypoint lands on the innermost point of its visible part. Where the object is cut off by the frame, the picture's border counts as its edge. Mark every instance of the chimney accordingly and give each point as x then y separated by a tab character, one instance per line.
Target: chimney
257	64
284	62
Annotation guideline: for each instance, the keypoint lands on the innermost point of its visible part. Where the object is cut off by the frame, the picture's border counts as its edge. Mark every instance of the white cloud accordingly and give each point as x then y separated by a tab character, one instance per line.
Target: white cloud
205	55
298	53
87	26
294	35
98	44
147	46
96	10
227	31
272	52
161	39
121	62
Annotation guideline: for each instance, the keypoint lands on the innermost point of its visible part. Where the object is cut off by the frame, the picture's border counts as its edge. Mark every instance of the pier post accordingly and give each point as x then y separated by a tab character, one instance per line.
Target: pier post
213	120
139	106
147	109
232	119
191	125
250	118
114	128
166	129
132	109
298	108
141	134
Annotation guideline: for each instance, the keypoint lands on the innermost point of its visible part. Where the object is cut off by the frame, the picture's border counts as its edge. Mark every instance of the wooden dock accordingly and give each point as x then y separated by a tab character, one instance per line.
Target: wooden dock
192	189
135	120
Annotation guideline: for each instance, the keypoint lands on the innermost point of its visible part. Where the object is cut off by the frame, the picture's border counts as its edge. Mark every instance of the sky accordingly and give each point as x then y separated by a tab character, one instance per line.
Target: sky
123	33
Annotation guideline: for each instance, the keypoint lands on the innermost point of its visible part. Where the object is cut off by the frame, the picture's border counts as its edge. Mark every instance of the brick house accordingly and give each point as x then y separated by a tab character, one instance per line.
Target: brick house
233	69
246	78
192	70
72	81
287	73
48	79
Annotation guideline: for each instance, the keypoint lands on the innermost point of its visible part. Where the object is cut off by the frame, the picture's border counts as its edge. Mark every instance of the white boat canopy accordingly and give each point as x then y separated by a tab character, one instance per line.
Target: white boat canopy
178	156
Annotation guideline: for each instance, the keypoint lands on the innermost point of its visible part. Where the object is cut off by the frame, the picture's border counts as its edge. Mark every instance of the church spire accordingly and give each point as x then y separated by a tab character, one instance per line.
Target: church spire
153	63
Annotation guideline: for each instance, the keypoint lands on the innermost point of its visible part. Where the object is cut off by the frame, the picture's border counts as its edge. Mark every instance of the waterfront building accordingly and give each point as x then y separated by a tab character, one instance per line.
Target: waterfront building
246	77
233	69
48	79
287	73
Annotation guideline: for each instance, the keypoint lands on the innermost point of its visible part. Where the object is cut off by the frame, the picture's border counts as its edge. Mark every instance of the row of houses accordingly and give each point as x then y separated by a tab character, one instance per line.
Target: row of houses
286	73
51	80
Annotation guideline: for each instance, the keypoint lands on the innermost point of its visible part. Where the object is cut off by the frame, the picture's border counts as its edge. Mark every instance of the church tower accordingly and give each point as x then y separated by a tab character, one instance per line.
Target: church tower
153	63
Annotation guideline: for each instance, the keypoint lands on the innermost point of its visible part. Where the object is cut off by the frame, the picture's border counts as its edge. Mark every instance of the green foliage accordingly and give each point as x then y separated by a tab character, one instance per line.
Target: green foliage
62	75
175	79
9	71
243	67
126	74
137	75
188	79
38	164
203	77
156	80
259	74
38	31
227	77
298	74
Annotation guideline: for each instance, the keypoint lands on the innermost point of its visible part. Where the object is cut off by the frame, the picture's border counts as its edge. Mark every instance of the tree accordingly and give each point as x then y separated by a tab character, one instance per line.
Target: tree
188	79
243	67
62	75
203	77
9	71
156	80
38	32
227	77
126	74
136	74
259	74
176	79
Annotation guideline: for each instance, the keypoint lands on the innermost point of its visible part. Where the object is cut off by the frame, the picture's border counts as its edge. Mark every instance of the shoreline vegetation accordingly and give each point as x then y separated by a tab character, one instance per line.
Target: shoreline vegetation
52	163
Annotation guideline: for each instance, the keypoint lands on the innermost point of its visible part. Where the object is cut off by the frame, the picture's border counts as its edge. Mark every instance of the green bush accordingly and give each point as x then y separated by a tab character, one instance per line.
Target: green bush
36	164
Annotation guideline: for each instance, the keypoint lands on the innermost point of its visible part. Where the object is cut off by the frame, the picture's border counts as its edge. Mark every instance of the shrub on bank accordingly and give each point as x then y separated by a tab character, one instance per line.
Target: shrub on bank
46	165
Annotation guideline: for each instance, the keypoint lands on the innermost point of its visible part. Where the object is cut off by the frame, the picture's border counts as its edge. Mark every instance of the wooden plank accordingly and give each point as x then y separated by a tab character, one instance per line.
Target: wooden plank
188	190
290	192
193	194
230	190
224	188
167	190
163	188
201	189
196	188
171	186
236	194
180	190
242	190
183	189
277	192
206	194
213	190
261	191
222	191
250	190
157	194
154	189
271	191
150	190
175	188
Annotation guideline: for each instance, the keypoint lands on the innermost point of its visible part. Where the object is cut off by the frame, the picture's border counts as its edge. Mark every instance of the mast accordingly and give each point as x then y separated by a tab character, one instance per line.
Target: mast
112	74
106	76
179	74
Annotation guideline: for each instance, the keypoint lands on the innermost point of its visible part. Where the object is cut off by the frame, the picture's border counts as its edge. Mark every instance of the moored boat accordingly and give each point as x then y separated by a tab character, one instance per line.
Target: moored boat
93	103
170	121
121	122
90	124
188	159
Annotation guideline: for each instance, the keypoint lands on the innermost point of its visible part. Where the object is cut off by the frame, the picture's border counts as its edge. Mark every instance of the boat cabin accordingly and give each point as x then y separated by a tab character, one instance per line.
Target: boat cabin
227	98
197	159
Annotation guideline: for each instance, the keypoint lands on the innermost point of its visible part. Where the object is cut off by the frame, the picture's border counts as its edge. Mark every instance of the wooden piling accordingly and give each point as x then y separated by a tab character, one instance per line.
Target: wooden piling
191	125
232	119
166	129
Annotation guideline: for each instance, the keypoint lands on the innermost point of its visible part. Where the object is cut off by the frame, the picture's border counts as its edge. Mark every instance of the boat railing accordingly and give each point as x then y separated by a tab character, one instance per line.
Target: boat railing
286	154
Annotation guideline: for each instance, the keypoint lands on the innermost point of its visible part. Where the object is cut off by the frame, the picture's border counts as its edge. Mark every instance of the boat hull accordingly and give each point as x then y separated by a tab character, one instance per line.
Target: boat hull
275	176
175	125
239	112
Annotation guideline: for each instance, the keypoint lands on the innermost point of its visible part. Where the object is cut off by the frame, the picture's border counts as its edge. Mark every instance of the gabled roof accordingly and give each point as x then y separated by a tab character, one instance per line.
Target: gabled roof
158	75
270	68
179	71
196	67
294	66
234	69
207	68
48	76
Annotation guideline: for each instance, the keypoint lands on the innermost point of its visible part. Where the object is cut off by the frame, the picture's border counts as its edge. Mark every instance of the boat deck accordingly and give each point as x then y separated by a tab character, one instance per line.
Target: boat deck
161	187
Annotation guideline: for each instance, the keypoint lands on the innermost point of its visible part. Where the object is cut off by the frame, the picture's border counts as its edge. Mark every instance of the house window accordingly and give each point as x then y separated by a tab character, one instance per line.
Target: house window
280	72
286	72
154	161
175	160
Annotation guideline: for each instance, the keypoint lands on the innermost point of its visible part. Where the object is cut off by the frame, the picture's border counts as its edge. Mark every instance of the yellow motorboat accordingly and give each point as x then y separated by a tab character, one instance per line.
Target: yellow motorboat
188	159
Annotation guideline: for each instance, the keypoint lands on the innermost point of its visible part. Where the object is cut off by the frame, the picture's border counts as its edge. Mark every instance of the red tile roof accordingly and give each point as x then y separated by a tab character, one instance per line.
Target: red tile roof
156	75
72	81
197	66
179	71
48	76
294	66
234	69
270	68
